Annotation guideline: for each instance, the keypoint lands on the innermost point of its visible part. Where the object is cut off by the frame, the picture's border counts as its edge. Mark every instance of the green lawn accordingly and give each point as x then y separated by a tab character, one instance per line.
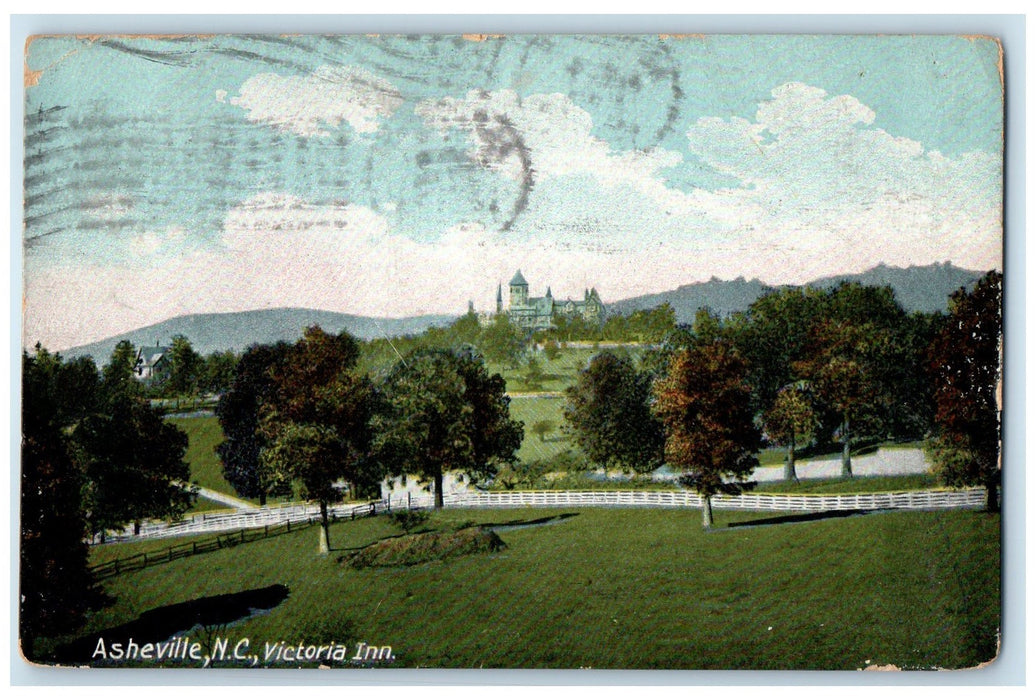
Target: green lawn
859	484
558	373
529	410
622	588
203	505
203	435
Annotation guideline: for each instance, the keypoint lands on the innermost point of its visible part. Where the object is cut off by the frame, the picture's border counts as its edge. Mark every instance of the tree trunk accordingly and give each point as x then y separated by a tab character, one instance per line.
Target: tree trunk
262	498
706	512
136	527
438	490
992	497
847	464
325	529
789	463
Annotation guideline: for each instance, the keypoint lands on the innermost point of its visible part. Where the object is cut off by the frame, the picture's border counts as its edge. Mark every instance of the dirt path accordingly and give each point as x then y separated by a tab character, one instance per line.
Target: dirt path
225	499
884	462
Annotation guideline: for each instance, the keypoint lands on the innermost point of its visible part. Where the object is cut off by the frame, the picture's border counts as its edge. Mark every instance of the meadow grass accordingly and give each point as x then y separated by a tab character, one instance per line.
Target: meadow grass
204	433
859	484
622	588
204	505
529	410
557	374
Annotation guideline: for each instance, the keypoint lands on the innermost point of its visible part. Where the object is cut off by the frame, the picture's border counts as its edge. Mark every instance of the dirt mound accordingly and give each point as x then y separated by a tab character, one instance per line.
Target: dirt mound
408	550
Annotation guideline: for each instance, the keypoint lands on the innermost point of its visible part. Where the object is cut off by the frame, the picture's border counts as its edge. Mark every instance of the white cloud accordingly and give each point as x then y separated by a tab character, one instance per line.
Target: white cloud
819	186
305	105
818	179
543	136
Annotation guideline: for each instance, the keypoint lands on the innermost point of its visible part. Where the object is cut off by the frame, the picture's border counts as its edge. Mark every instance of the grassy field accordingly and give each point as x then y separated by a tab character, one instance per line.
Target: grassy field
621	588
859	484
204	505
557	374
203	434
529	410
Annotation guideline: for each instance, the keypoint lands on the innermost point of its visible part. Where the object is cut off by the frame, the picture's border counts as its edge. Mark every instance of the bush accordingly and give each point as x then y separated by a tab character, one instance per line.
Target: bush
428	546
407	520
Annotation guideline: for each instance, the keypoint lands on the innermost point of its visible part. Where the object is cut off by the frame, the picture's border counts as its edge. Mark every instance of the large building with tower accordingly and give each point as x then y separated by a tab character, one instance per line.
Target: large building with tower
538	313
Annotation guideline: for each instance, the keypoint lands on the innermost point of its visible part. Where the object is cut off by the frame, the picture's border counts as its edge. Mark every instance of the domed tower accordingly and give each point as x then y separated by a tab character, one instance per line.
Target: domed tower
519	290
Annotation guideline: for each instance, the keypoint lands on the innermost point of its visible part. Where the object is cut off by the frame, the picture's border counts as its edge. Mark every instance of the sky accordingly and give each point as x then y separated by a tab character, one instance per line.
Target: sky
394	176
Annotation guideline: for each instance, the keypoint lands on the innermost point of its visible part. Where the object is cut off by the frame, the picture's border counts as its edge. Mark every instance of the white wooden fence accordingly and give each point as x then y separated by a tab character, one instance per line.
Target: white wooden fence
913	500
273	515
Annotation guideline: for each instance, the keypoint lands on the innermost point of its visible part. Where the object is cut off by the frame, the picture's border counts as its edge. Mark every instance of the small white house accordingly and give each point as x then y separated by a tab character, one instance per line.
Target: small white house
152	361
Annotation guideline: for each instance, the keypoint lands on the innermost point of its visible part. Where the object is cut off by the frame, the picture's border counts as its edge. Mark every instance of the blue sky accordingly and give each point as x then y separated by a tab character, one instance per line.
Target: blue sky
399	175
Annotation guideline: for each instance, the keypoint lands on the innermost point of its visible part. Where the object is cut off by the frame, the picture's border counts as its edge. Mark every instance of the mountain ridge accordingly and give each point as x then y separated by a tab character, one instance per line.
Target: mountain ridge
918	288
236	330
923	288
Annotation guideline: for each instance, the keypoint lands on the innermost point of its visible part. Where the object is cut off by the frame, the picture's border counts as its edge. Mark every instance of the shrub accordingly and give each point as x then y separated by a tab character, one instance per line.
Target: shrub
407	520
427	546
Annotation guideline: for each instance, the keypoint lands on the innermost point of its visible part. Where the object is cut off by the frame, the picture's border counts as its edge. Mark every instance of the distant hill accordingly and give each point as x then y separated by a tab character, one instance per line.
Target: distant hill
236	331
721	296
923	288
917	288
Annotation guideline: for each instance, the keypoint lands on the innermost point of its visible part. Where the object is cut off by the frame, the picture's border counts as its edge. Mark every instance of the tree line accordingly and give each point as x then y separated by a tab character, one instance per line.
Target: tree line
304	419
95	457
803	366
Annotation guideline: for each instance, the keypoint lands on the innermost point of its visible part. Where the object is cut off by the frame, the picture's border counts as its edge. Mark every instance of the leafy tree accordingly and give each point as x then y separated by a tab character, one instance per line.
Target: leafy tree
551	349
914	411
217	373
524	474
443	412
772	335
56	587
542	428
965	366
316	421
655	360
185	367
790	421
308	456
134	464
609	413
465	330
708	327
495	438
534	374
847	374
239	411
119	375
705	404
502	342
568	328
647	325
